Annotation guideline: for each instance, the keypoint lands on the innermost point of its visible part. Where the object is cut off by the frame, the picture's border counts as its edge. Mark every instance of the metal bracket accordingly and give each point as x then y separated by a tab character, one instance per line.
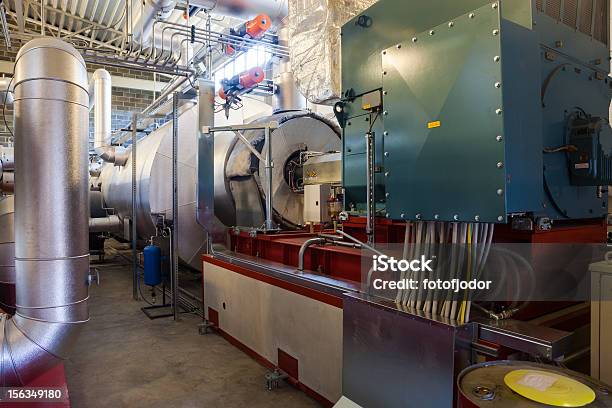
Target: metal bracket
522	336
208	132
206	327
93	278
273	379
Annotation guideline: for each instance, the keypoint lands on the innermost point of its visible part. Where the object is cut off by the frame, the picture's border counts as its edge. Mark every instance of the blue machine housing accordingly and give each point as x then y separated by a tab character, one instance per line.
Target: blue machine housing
488	109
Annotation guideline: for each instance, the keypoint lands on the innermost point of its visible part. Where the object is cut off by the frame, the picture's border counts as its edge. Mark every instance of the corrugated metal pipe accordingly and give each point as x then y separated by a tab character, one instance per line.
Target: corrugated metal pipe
51	210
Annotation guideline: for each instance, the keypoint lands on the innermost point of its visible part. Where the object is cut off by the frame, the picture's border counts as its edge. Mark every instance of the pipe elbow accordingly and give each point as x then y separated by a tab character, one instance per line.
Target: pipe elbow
307	244
101	74
100	96
106	153
112	223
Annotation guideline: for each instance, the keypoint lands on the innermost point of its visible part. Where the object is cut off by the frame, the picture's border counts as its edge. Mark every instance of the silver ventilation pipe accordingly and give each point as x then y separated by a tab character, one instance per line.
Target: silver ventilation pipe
276	9
100	96
51	209
110	223
286	93
144	14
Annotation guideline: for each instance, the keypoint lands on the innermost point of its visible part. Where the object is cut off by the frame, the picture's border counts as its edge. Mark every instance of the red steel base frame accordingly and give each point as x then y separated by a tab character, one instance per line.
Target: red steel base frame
335	261
346	263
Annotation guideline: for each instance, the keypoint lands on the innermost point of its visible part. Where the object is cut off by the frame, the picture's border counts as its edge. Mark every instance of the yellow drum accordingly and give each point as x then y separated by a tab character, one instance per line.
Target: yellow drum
516	384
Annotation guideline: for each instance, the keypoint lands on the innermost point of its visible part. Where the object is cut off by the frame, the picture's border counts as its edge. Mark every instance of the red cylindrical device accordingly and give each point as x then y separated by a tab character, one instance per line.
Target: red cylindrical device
258	26
252	77
242	82
252	29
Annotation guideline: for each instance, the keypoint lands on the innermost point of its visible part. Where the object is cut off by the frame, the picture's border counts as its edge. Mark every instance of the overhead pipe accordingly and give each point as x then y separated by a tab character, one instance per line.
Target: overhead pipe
144	15
154	36
276	9
287	96
51	210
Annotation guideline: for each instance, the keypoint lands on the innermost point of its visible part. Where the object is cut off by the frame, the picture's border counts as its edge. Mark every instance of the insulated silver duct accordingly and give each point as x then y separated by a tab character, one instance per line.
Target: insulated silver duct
100	95
286	95
51	209
144	14
111	223
276	9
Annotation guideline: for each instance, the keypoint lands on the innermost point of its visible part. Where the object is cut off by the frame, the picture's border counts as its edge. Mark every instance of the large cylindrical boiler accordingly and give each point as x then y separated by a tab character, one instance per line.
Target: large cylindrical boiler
238	193
298	132
154	185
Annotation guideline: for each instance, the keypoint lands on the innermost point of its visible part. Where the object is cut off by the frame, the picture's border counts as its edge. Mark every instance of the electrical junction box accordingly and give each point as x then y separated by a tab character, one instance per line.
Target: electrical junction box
315	203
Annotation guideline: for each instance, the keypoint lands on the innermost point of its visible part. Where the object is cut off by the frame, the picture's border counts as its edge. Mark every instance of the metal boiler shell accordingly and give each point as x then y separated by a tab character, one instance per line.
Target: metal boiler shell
297	131
154	193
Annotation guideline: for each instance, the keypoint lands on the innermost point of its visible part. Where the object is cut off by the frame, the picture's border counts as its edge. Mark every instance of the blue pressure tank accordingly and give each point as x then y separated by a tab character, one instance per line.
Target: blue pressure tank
152	265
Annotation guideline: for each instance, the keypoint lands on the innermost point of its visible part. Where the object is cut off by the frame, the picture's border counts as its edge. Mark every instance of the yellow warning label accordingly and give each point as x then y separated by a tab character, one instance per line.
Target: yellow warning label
435	124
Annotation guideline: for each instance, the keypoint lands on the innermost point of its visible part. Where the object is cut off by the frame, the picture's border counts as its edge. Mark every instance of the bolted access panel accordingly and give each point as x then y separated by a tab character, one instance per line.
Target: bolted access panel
444	110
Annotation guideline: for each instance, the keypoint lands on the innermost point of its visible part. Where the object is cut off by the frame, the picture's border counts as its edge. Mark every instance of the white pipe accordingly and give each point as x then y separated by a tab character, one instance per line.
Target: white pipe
100	95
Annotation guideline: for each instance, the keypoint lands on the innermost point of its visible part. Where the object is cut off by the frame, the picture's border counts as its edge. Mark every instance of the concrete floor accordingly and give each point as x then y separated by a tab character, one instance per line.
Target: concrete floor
123	359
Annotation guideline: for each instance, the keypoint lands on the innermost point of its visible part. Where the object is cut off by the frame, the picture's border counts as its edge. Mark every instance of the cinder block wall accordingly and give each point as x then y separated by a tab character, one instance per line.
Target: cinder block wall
124	100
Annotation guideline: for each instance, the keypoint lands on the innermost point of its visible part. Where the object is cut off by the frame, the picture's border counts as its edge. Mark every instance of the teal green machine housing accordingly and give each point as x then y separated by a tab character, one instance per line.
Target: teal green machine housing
477	110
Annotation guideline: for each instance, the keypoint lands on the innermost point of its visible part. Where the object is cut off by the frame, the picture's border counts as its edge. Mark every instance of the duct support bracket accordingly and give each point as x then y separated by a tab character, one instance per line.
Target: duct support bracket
268	128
